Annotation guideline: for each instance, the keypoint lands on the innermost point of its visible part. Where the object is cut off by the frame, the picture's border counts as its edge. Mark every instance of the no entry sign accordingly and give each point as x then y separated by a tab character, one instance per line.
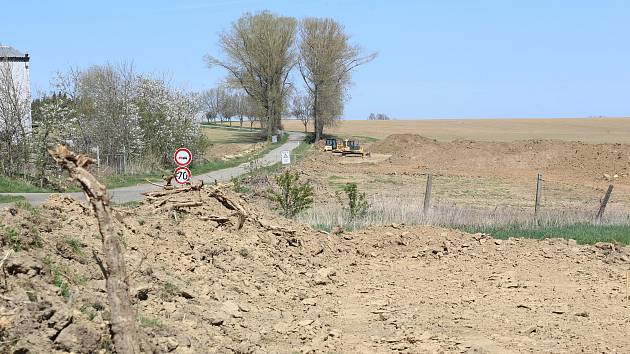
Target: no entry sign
182	175
182	157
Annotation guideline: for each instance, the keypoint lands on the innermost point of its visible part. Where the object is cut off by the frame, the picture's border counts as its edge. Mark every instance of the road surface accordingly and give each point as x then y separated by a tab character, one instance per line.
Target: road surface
132	193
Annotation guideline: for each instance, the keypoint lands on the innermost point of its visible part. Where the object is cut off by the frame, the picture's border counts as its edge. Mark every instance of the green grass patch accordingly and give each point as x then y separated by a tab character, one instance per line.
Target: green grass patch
149	322
11	198
582	233
13	239
221	164
361	138
58	280
75	245
235	126
12	185
117	181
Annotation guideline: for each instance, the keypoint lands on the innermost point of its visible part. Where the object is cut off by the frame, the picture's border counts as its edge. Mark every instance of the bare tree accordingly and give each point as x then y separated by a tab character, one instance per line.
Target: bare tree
259	51
227	109
325	61
301	109
14	113
252	111
378	116
240	106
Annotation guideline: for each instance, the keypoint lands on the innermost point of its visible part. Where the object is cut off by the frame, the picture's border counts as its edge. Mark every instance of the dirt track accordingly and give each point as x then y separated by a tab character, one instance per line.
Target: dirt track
201	284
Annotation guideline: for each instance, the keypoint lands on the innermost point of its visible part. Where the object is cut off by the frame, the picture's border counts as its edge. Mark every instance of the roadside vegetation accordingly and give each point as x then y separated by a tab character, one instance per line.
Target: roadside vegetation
10	198
17	185
582	233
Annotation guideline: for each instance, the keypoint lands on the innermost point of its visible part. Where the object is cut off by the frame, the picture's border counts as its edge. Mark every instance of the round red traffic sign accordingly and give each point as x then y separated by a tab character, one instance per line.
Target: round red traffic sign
182	157
182	175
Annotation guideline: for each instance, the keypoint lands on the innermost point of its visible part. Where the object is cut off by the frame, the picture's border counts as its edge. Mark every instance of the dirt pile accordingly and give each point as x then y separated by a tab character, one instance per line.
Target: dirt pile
427	290
207	274
562	158
210	272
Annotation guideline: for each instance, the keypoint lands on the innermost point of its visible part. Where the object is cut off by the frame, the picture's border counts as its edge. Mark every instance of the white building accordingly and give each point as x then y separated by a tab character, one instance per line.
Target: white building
17	64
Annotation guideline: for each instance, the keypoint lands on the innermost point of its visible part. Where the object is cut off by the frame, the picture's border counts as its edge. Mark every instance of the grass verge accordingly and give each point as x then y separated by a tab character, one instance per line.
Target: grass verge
221	164
10	185
10	198
582	233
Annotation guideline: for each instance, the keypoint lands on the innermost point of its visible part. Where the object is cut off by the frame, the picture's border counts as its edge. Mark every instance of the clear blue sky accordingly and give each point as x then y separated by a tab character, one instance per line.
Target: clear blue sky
438	59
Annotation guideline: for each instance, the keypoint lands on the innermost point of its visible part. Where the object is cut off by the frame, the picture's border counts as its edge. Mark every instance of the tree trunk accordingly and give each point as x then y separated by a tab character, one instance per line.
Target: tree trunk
123	325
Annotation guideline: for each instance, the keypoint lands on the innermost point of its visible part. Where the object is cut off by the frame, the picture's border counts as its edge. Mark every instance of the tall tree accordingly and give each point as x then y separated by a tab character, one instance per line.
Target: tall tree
259	53
326	60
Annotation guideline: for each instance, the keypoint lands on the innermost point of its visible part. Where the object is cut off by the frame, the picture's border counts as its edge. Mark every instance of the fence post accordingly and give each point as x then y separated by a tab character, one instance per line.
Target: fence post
427	193
98	156
539	181
124	160
602	206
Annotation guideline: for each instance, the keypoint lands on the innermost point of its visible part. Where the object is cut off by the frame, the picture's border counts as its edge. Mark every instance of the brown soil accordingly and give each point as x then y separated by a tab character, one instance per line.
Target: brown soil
480	173
569	161
200	283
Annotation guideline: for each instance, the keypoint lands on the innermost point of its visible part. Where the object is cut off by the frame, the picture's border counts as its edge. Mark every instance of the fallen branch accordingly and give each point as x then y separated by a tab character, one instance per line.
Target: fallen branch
185	205
228	203
123	325
5	258
156	184
165	192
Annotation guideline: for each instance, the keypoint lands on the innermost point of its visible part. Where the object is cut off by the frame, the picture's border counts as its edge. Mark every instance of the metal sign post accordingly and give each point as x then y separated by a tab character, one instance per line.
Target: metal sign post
182	157
285	157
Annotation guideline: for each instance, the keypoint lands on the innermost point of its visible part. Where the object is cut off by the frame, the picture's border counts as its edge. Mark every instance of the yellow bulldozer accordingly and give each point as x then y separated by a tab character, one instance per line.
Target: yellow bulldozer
345	147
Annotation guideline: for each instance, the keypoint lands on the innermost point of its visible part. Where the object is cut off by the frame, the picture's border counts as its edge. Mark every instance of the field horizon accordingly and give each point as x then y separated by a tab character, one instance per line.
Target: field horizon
589	130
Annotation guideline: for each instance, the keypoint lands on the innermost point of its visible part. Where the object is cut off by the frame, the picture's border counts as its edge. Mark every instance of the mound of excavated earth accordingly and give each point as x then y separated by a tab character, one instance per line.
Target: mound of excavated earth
211	273
565	159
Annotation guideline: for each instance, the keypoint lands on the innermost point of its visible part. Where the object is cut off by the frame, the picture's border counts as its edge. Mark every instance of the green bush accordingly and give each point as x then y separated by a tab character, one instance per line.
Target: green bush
293	196
357	206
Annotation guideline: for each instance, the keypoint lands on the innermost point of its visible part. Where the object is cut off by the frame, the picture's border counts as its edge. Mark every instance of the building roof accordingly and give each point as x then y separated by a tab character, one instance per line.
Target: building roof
10	52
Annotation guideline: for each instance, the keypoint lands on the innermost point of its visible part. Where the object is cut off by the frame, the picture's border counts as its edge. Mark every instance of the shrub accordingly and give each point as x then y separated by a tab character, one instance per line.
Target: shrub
293	196
357	203
12	238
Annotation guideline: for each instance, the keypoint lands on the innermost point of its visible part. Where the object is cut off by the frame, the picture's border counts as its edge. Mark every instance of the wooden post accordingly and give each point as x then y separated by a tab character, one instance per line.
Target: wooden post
539	181
602	206
427	193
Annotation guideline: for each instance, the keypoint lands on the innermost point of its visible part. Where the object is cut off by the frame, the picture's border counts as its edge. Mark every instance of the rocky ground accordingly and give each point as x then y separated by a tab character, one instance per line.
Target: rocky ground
212	273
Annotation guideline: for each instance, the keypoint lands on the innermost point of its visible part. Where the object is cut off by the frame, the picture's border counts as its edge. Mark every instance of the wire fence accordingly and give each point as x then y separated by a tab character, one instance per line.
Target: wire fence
483	202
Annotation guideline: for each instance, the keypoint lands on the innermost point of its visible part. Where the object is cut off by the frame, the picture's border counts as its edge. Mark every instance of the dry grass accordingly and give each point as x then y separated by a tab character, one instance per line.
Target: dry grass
592	130
389	210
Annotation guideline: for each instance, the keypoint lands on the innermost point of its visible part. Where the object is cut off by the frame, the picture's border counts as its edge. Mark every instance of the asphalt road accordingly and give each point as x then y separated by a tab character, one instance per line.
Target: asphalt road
132	193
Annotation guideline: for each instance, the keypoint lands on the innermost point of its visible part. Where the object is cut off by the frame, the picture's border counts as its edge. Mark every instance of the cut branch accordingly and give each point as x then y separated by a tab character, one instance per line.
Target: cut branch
123	326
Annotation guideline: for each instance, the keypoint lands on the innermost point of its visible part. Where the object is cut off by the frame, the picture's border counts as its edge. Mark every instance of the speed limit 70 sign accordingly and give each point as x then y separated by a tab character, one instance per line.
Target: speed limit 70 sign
182	175
182	157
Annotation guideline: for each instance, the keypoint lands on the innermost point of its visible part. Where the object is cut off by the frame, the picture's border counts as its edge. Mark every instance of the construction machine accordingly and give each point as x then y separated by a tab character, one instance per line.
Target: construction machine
331	145
353	147
345	147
